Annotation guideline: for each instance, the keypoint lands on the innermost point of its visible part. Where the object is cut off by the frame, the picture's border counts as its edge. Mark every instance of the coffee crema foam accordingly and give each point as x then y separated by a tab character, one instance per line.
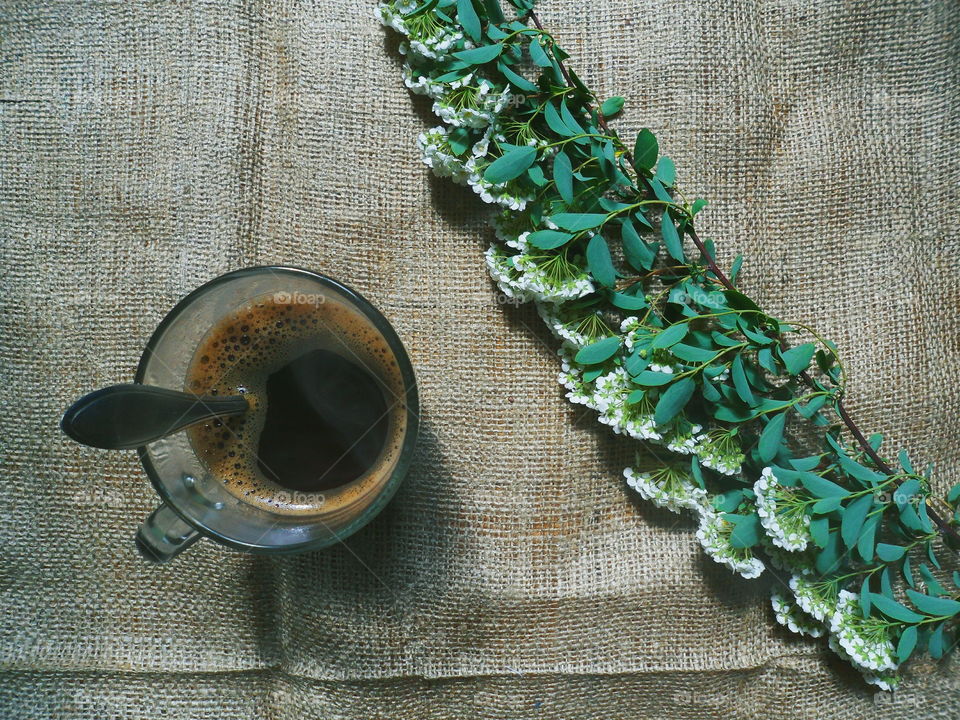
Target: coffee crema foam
240	353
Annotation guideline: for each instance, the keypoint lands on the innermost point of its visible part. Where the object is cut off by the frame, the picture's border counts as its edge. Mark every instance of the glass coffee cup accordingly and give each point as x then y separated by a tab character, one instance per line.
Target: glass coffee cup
331	428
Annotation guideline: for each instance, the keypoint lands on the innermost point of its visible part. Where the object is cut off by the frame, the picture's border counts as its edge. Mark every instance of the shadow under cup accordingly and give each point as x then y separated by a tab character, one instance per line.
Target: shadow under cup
198	500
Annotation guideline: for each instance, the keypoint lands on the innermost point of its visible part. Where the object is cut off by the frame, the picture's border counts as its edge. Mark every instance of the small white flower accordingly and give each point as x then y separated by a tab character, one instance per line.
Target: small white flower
782	513
683	441
791	616
815	599
866	641
720	450
668	487
714	536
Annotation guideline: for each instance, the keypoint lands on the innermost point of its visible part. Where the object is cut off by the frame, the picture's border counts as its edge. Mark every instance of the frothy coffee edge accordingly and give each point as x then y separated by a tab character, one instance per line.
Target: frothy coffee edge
243	350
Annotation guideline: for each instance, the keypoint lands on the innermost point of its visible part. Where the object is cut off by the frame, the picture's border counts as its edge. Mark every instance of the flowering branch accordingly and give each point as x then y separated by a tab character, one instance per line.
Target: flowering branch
659	341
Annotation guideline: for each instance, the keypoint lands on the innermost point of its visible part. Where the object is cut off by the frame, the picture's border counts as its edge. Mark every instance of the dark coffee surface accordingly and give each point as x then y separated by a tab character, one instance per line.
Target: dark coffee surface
321	384
326	422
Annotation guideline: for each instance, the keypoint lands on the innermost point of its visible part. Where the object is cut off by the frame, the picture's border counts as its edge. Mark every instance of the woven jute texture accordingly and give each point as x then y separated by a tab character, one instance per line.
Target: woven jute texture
146	147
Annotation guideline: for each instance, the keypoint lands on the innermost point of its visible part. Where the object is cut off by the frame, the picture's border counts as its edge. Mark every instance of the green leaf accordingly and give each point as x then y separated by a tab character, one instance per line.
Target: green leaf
548	239
827	505
806	463
591	375
599	262
812	407
645	150
739	301
652	378
936	645
698	205
535	173
569	120
480	55
907	572
937	607
905	461
853	519
771	436
671	336
628	302
728	501
710	393
493	10
747	530
765	360
538	54
890	553
660	191
856	470
691	353
905	493
598	352
421	9
894	610
468	19
740	381
907	642
867	538
517	80
576	222
819	530
671	239
611	106
459	139
638	254
510	165
554	122
735	268
563	176
673	400
636	364
954	494
666	171
866	597
886	587
821	487
798	359
828	558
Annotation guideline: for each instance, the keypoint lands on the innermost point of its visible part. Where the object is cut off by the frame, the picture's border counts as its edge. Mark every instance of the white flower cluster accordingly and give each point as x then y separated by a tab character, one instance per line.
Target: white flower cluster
792	617
782	513
683	441
472	107
865	640
428	38
817	607
719	450
548	278
467	170
437	154
668	488
811	598
551	314
608	395
714	536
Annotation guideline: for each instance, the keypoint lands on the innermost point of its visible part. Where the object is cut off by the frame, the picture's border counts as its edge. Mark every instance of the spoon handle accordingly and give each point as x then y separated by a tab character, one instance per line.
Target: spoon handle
120	417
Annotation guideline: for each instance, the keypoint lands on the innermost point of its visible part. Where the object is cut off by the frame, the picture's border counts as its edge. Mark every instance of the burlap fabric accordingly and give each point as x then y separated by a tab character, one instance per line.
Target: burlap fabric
147	147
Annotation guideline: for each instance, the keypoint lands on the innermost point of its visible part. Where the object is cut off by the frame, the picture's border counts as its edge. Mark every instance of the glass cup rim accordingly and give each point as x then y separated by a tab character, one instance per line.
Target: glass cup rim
411	402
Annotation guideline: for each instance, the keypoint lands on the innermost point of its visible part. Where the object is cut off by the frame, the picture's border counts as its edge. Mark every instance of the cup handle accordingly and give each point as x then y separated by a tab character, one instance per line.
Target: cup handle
163	535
